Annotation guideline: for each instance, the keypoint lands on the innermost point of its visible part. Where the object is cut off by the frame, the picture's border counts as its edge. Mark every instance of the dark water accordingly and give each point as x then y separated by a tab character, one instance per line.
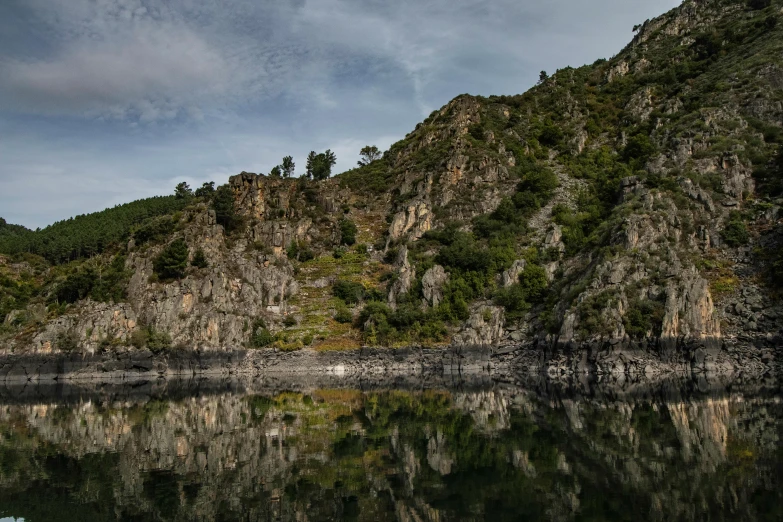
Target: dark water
499	453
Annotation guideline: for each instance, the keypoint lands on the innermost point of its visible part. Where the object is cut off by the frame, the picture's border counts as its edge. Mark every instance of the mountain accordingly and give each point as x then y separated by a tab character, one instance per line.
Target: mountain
627	211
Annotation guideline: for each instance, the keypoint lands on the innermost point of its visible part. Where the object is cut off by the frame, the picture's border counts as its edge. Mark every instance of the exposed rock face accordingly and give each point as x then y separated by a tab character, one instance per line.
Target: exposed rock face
511	276
432	285
689	311
484	327
406	276
414	220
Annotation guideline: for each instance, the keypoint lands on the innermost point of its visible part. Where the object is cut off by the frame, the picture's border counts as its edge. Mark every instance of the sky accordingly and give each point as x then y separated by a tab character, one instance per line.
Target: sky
106	101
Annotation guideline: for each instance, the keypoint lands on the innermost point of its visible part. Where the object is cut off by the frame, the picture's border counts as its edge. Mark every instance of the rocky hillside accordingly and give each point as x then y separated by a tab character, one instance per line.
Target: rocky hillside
633	202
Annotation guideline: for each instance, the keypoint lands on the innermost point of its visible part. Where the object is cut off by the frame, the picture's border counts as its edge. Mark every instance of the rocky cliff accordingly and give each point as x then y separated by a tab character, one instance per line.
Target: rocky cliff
628	210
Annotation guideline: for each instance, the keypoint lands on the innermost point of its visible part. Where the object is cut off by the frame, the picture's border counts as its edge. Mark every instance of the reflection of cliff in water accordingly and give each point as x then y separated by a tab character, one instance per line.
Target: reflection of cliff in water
496	454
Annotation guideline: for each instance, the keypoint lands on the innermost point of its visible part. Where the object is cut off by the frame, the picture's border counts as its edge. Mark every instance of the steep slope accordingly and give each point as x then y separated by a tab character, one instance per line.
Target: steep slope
630	208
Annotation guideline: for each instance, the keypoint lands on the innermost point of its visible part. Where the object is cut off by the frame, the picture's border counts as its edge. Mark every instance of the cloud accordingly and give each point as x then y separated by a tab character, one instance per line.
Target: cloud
106	101
148	61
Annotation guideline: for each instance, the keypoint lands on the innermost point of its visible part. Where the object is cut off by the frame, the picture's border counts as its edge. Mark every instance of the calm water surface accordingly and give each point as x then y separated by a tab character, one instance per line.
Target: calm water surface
340	454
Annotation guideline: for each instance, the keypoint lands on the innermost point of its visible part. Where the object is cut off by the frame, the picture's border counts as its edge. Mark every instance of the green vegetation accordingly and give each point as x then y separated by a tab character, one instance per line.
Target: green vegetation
530	290
383	326
350	293
206	191
347	232
100	283
644	317
735	233
343	314
369	154
152	339
16	291
86	235
225	213
199	259
154	230
536	189
183	191
300	252
319	166
374	178
288	167
172	261
260	336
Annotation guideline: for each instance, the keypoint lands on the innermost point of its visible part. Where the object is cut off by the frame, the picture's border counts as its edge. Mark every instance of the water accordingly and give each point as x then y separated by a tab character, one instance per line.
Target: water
490	453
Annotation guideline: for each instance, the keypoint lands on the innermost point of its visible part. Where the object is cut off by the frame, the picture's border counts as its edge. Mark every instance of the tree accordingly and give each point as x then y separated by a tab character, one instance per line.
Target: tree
319	166
223	203
311	160
182	191
347	232
369	154
288	167
276	172
199	259
172	262
542	77
206	190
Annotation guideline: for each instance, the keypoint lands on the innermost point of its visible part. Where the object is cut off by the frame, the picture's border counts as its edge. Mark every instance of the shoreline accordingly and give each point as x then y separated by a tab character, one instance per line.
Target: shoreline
505	363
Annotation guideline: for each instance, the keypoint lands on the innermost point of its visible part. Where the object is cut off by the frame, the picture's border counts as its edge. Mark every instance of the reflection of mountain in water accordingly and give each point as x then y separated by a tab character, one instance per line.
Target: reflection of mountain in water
499	454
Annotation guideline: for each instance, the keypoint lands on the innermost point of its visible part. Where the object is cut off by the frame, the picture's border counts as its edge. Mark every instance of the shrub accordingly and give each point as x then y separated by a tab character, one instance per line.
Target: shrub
107	285
533	281
736	233
551	135
75	287
643	317
290	321
476	131
199	259
154	230
138	338
638	148
349	292
530	289
157	341
66	341
260	336
172	262
347	232
299	252
513	299
112	283
343	315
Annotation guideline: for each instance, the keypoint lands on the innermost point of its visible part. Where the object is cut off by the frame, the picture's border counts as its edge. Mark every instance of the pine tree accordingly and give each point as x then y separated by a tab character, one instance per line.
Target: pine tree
172	262
223	203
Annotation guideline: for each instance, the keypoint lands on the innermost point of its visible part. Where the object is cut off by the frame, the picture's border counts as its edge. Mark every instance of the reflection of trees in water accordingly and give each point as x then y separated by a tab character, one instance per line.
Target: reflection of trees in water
343	454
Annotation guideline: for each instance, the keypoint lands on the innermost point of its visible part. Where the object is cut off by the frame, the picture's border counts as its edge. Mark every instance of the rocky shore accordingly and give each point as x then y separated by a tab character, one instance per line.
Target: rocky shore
555	361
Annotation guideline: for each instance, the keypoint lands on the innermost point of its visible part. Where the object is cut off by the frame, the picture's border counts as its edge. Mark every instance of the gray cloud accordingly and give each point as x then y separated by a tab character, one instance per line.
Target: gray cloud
137	60
106	101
